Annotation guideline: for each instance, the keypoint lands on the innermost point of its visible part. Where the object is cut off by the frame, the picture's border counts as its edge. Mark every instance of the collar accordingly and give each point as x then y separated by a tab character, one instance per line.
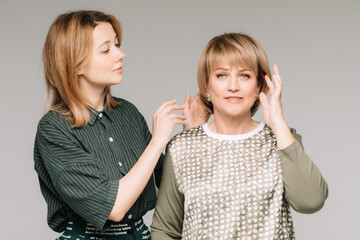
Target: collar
94	114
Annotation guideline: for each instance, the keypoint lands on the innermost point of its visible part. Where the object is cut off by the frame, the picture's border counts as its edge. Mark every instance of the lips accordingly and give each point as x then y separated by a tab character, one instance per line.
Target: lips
118	69
233	99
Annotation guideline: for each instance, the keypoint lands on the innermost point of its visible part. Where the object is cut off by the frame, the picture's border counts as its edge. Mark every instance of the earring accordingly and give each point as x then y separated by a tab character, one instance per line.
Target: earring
208	98
256	97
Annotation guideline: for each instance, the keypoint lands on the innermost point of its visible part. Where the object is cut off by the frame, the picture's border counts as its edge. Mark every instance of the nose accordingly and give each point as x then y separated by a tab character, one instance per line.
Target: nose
233	84
119	55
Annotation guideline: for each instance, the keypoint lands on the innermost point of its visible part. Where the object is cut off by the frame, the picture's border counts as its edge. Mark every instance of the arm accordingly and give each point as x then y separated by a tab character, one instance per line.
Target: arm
70	176
147	137
79	183
305	188
134	182
169	211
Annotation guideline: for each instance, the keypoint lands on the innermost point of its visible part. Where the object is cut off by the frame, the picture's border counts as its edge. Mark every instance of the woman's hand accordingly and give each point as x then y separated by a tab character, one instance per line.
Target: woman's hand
195	112
164	120
273	111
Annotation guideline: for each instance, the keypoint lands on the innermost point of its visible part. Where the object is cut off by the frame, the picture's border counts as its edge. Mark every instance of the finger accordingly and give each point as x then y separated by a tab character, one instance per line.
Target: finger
187	100
164	104
278	83
277	72
167	103
177	116
182	122
264	101
270	84
197	97
173	108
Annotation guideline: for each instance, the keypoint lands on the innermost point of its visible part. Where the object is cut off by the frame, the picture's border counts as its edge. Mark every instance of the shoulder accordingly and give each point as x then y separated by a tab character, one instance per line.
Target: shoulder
54	119
268	133
124	104
126	107
52	127
186	138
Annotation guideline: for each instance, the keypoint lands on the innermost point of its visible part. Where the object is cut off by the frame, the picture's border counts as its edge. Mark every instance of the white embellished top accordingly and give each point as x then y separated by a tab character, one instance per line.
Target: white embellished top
218	186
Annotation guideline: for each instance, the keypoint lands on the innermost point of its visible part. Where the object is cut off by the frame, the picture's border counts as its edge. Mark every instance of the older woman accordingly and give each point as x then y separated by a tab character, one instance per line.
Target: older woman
236	178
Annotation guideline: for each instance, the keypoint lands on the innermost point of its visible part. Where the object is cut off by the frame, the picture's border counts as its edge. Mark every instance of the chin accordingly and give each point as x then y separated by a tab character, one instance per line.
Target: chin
117	81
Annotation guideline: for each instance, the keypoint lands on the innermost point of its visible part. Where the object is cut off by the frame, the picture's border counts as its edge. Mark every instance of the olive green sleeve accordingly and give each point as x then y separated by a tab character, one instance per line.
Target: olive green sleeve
305	188
169	210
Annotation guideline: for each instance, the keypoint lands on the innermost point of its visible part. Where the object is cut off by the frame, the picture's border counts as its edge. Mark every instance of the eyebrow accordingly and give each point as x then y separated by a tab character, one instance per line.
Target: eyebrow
108	41
227	69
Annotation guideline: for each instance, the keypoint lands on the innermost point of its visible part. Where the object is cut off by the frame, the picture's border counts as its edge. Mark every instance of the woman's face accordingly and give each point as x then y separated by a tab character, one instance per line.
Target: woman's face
105	64
232	90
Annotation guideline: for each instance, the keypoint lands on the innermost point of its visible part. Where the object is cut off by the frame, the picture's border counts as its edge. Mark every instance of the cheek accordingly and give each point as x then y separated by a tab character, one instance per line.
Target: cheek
252	88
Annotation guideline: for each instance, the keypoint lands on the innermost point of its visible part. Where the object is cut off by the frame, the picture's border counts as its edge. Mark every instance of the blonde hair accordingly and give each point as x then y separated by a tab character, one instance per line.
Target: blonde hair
238	49
67	47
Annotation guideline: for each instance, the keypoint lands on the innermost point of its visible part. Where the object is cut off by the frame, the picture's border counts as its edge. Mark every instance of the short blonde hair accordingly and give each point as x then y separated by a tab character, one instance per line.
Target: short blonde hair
67	47
238	49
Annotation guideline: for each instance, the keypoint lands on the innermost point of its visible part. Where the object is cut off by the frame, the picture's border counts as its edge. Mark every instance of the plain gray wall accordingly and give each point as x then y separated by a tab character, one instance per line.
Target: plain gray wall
314	43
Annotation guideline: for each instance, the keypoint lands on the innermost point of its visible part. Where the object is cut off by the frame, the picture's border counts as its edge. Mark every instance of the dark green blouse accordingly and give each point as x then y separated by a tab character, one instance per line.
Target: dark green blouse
79	168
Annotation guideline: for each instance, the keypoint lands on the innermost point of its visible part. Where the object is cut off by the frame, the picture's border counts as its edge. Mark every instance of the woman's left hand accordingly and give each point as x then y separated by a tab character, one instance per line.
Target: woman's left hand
273	110
195	112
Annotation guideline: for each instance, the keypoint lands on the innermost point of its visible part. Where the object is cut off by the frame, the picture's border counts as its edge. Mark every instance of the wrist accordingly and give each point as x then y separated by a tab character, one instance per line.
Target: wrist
157	145
279	126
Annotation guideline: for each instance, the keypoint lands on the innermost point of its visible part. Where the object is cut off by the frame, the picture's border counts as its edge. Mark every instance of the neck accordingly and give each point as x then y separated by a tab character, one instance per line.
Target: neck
96	101
232	126
95	94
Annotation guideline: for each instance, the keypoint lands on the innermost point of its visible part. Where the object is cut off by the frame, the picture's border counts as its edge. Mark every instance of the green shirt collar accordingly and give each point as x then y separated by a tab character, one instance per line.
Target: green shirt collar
94	114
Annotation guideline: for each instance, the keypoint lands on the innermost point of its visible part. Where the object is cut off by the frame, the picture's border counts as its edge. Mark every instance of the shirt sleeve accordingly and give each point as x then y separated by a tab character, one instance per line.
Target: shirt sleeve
305	188
169	210
76	177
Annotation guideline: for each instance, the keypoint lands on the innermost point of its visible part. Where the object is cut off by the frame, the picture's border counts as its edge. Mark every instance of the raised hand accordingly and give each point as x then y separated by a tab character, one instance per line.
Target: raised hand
195	112
273	110
164	120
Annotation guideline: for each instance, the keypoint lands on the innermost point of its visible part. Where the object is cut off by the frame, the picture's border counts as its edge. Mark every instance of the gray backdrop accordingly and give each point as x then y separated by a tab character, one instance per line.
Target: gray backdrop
314	43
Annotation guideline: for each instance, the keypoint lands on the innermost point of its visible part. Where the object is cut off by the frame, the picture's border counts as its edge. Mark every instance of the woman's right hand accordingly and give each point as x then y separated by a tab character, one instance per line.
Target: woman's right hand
164	120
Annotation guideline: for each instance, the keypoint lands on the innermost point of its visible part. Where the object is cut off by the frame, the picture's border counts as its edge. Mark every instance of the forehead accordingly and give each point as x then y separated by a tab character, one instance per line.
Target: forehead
230	61
103	32
233	53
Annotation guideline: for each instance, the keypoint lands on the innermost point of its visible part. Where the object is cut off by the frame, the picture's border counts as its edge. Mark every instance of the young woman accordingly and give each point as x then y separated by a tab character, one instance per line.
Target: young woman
95	156
235	178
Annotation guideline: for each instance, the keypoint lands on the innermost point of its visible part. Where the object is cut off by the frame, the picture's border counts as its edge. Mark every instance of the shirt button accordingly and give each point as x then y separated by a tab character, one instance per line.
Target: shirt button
130	216
120	164
100	114
111	139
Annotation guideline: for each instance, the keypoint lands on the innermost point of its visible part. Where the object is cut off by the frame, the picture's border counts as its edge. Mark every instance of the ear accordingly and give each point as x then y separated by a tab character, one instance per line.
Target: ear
80	71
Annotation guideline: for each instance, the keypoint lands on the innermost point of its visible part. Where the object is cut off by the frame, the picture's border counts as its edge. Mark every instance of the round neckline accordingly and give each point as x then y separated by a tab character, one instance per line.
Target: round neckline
232	137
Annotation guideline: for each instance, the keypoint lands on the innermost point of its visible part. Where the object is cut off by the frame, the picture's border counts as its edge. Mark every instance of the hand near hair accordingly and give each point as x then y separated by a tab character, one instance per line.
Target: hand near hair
273	110
134	182
195	112
164	120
